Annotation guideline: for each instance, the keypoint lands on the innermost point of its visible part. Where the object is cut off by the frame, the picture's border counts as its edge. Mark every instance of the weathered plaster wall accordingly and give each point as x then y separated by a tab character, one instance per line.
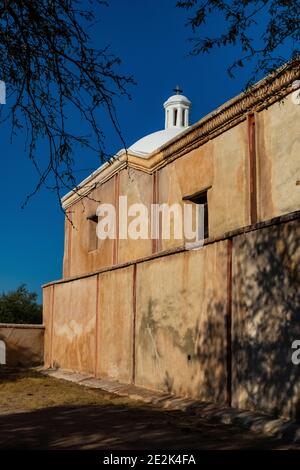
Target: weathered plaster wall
137	186
79	257
24	344
229	196
115	324
165	323
221	163
74	325
170	335
180	326
265	309
278	159
184	177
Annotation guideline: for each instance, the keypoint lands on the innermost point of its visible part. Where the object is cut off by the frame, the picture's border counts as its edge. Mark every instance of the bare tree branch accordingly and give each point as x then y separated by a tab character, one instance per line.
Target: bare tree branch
51	73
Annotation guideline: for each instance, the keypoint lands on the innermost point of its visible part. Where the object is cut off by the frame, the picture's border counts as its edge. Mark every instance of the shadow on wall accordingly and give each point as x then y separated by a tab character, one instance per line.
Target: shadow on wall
21	345
266	309
182	346
255	367
211	352
18	356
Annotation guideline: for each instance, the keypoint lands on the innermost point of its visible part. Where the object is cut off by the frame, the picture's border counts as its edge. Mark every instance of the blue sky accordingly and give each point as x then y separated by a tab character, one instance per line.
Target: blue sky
151	38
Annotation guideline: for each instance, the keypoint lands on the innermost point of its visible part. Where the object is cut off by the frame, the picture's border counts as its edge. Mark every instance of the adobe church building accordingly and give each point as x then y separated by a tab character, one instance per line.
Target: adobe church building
216	323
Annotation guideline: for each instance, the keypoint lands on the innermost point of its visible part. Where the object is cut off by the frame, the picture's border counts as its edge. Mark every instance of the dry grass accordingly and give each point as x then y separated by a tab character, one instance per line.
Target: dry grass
26	390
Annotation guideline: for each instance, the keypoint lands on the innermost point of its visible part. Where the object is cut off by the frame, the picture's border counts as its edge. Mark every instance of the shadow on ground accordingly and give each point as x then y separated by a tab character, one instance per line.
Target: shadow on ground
38	412
115	427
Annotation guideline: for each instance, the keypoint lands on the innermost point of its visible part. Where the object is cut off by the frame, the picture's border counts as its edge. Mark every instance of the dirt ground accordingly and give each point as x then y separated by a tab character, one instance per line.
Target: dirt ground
39	412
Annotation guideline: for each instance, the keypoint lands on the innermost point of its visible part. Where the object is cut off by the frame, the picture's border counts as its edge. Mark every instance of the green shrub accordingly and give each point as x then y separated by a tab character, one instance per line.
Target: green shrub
20	306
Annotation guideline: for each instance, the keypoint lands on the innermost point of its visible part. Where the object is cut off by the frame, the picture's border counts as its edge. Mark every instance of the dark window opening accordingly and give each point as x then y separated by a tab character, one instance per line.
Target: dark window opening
201	198
183	117
93	239
175	117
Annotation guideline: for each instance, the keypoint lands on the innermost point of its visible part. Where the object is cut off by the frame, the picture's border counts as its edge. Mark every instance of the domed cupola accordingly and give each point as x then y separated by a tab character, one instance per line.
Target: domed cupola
177	109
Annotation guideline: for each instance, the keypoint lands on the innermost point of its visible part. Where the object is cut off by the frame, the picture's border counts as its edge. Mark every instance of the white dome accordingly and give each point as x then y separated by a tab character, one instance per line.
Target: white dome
153	141
177	99
177	109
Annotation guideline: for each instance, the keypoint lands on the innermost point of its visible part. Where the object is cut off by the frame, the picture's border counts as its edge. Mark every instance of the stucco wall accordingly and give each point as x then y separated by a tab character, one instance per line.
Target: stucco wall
74	325
24	344
221	164
180	325
278	162
229	196
165	323
151	323
137	186
265	309
79	258
115	324
178	180
216	323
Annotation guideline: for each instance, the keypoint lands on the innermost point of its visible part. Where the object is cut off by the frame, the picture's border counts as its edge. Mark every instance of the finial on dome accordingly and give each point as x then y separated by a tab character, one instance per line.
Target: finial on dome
177	90
177	109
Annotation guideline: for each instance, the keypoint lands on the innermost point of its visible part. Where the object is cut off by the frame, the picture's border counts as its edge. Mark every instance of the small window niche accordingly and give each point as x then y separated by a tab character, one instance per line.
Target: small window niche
201	198
92	234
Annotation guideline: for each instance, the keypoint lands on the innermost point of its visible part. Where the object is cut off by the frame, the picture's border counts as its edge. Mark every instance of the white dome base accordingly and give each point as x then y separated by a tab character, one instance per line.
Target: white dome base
154	141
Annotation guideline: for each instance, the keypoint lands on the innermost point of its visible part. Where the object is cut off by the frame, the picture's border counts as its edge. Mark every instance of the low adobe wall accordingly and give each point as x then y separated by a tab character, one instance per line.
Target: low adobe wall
214	324
24	344
160	323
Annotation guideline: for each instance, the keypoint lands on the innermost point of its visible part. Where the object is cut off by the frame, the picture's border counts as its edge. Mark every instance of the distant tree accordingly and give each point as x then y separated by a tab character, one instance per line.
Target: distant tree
259	27
52	72
20	306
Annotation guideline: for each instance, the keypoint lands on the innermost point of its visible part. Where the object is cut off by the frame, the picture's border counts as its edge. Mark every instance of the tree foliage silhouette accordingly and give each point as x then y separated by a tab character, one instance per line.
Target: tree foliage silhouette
257	27
20	306
52	72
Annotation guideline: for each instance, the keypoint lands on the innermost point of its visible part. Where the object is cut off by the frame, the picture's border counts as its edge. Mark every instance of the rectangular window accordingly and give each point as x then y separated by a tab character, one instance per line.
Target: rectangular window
201	198
93	239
